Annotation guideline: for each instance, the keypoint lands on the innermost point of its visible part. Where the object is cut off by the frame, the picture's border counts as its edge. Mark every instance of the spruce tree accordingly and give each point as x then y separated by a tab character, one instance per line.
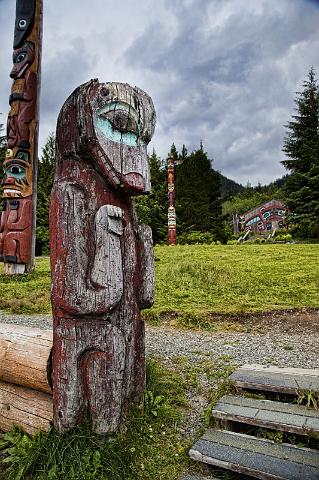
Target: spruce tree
198	201
152	209
45	181
301	145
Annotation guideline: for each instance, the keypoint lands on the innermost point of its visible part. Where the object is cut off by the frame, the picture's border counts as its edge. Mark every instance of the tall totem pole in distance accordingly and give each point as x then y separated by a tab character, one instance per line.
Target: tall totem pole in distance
171	237
17	226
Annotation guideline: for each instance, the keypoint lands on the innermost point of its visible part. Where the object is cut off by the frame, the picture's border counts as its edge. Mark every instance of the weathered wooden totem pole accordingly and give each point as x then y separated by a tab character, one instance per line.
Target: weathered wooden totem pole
171	225
101	257
17	226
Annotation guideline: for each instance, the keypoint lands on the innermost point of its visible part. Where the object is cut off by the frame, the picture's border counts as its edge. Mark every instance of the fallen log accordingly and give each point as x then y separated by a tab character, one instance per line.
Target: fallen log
25	357
26	408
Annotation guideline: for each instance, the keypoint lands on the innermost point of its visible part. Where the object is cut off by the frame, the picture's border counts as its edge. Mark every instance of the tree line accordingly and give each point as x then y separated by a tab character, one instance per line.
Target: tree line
205	200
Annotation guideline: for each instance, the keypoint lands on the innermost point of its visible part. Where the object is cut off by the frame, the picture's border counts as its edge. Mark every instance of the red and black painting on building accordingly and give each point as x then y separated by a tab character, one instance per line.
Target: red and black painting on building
267	217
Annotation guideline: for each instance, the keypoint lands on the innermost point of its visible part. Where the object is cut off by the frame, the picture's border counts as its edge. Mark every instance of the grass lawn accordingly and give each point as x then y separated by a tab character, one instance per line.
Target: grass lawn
201	279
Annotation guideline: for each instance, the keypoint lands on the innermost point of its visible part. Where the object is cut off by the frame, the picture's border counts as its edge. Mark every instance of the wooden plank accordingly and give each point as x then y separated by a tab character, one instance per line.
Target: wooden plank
260	458
265	413
24	356
313	372
193	476
274	379
25	408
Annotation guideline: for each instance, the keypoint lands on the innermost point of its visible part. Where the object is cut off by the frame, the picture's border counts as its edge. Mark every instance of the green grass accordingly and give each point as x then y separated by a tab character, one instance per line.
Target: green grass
195	280
149	448
28	294
235	279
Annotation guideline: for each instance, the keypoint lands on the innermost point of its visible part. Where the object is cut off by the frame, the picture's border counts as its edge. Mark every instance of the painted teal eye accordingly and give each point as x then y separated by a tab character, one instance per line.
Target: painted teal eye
121	121
16	171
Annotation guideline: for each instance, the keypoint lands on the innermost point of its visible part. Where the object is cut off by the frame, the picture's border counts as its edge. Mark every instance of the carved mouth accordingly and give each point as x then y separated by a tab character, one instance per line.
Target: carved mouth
11	191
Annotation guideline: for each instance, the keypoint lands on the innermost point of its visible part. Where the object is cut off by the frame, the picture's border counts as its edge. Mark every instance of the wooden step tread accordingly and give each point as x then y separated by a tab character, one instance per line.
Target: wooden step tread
257	457
193	476
275	379
266	413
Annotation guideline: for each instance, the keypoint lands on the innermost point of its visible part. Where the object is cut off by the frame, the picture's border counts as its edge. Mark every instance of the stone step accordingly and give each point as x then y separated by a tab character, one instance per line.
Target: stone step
259	458
286	417
275	379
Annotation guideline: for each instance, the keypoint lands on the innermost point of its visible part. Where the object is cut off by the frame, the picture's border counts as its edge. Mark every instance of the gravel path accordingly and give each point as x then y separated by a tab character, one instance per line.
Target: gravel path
285	339
281	338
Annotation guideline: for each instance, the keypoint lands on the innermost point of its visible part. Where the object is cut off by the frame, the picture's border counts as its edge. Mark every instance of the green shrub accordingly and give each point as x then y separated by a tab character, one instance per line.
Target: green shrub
195	237
283	238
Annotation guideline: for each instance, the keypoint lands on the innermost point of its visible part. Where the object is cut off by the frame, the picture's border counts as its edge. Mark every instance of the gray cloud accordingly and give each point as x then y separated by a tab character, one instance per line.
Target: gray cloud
224	72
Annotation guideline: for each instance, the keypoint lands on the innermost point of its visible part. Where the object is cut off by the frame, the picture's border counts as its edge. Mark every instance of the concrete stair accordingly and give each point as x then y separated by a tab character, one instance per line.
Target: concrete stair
232	449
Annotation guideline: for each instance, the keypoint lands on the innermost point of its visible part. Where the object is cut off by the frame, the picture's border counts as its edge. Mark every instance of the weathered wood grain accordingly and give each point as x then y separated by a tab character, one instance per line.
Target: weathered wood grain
26	408
270	414
24	356
259	458
101	258
281	380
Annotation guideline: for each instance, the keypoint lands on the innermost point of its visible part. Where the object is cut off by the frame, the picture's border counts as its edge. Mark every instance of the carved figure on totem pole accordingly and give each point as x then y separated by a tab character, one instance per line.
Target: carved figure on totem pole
101	257
17	225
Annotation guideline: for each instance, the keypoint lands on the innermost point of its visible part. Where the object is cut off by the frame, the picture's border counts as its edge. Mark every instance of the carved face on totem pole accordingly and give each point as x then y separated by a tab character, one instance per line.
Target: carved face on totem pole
115	131
23	57
17	180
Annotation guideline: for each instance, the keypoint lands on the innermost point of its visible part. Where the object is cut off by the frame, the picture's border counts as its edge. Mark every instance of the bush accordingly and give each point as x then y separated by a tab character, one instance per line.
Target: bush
283	238
192	238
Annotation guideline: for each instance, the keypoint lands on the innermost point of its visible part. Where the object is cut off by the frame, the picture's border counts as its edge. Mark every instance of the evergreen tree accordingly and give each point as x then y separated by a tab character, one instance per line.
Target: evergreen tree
152	209
184	153
174	152
301	145
198	203
45	181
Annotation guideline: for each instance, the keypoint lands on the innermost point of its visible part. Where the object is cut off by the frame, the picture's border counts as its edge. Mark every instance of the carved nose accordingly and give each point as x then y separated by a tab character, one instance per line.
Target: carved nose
13	74
8	181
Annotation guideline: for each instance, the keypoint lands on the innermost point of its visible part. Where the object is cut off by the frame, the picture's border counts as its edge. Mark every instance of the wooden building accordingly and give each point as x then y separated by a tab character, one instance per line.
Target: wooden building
267	217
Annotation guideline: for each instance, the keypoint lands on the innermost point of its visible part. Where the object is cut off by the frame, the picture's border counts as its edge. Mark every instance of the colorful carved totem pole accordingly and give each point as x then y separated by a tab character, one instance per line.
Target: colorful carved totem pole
171	198
17	226
101	257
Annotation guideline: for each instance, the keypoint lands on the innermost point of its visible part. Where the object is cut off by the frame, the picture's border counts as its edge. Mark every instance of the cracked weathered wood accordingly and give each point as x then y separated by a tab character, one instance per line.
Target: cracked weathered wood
275	379
101	258
24	356
259	458
24	407
269	414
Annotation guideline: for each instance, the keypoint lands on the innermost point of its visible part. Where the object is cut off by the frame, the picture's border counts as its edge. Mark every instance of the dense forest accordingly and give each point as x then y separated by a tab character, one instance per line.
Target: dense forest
206	200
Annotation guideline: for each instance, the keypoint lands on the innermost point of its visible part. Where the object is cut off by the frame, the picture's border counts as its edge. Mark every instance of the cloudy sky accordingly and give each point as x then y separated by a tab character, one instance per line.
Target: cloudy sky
221	71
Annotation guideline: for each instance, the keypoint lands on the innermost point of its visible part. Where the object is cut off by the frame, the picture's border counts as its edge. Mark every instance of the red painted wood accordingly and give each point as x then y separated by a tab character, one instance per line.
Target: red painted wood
17	231
101	259
171	227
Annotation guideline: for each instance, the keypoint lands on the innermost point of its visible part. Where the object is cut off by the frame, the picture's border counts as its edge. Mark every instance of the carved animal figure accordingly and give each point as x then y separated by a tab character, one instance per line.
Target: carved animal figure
101	257
17	231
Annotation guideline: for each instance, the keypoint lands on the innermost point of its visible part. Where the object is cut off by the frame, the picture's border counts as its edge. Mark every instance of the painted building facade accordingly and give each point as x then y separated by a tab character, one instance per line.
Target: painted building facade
264	218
